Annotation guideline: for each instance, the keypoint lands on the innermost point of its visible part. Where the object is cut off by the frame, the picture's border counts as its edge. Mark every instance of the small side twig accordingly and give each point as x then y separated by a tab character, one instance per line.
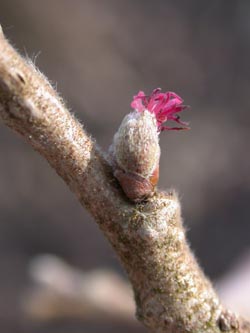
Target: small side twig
59	290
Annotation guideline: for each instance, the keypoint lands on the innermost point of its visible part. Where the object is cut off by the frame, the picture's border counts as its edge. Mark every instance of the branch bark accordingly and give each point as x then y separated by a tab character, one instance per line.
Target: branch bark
171	292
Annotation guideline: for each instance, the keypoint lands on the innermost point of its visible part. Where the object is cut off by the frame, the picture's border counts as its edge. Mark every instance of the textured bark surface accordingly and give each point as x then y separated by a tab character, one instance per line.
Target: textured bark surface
171	292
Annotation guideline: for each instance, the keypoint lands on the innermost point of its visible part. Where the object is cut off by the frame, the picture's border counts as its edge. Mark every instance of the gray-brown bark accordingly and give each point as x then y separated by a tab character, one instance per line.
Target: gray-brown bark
171	292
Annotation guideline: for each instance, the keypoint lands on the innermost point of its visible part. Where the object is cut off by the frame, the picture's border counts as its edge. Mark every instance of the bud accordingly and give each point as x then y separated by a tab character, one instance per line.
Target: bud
135	150
136	154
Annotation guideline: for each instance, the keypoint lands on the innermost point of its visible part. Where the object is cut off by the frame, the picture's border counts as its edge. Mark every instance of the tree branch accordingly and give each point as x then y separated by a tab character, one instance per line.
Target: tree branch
59	290
171	292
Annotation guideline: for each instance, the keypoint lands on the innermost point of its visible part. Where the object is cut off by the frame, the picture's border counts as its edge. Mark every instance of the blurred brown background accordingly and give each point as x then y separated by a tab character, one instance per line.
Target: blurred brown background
99	54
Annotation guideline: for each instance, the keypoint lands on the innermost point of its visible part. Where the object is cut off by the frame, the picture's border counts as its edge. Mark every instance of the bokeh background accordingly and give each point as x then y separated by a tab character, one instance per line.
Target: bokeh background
99	54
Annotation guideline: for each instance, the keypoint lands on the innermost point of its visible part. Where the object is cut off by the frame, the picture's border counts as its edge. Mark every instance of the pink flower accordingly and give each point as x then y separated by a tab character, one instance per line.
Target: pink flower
163	105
